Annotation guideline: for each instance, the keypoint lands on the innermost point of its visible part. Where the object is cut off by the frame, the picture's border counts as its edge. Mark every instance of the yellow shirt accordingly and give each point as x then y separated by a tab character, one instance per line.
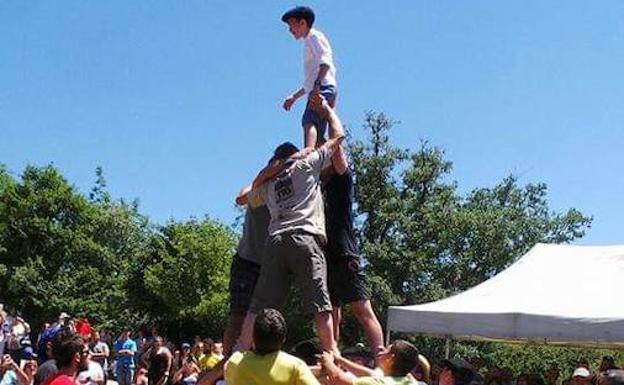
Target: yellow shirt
208	361
277	368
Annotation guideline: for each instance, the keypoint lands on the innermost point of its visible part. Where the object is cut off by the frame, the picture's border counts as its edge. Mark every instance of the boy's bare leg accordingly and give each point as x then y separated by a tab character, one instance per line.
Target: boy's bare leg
364	313
336	319
325	331
309	135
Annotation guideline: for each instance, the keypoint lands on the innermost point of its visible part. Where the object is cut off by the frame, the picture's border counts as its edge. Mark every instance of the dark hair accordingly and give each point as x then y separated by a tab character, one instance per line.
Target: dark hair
269	331
65	345
307	350
298	13
405	357
284	150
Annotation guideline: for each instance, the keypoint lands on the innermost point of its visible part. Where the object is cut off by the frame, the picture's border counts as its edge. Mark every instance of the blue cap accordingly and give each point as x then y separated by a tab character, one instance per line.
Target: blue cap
28	353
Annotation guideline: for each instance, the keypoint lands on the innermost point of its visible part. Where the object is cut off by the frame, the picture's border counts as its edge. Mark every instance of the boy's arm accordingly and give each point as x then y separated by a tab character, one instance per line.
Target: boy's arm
323	69
292	98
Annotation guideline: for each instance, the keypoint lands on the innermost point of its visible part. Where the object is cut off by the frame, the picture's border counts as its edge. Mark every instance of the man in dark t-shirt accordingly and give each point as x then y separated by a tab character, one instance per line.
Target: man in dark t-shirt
345	275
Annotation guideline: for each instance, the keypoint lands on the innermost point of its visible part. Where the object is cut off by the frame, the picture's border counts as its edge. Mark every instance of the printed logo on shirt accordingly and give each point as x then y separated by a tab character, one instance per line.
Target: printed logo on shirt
283	189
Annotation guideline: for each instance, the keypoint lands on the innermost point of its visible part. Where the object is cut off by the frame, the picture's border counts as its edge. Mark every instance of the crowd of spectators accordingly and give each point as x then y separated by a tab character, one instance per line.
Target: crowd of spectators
70	351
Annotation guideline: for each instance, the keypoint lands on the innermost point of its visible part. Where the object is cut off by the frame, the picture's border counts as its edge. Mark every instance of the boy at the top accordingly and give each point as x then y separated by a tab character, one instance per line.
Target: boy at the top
319	71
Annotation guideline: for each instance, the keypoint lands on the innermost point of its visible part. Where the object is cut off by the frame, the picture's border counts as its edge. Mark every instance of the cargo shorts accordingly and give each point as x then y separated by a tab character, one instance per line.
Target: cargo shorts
292	257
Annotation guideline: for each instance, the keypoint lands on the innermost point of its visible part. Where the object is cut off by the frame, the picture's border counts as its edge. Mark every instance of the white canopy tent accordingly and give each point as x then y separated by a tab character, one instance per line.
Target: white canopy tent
554	294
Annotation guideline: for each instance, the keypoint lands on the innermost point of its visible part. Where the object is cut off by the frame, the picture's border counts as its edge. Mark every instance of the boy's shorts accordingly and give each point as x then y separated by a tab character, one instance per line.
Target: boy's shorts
311	116
298	257
346	280
243	278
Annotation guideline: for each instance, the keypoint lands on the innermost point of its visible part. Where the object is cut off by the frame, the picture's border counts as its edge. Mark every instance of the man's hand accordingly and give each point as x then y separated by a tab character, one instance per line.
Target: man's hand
303	153
288	102
318	102
327	360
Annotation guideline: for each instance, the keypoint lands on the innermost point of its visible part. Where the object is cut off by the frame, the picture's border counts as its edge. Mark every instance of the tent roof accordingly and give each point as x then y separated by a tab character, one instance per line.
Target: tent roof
557	294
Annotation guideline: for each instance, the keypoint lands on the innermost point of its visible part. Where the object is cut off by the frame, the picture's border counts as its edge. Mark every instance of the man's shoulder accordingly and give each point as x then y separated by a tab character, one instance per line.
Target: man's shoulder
290	360
235	358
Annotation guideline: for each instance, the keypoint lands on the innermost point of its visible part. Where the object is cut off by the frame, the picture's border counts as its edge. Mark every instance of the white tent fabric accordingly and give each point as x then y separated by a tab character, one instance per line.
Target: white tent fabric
556	294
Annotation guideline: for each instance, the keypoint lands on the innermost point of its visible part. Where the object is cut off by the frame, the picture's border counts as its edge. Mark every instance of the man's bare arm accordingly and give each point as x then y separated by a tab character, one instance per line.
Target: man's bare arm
336	131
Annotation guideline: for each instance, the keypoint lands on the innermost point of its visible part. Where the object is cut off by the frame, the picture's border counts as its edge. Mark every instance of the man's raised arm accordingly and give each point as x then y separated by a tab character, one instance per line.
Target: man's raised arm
336	131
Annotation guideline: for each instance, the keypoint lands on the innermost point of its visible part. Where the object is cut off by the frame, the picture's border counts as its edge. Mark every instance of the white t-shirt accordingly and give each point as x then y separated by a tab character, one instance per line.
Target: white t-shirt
317	51
92	375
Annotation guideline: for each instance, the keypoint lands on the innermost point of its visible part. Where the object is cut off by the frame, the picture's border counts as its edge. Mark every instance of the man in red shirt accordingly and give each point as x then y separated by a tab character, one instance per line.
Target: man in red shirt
70	352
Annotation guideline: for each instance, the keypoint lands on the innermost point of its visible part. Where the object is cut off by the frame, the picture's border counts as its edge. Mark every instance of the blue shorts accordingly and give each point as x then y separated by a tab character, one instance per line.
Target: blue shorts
311	116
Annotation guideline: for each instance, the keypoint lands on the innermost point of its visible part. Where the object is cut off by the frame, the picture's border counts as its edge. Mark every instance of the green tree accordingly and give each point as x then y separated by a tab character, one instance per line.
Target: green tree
186	277
422	239
60	251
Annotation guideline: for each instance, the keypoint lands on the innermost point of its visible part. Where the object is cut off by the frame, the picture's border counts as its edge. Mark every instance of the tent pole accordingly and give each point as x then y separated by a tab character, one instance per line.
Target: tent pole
447	347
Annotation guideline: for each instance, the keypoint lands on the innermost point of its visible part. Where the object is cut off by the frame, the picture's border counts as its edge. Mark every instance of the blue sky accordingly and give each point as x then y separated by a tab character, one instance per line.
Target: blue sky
179	101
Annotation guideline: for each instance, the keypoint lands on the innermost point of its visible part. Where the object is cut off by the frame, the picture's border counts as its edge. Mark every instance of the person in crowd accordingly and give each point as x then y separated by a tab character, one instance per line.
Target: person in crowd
30	365
125	349
141	377
395	363
71	353
187	374
582	363
160	360
84	328
19	330
198	351
607	363
205	363
186	355
581	376
3	316
217	350
99	351
267	364
422	371
611	377
11	373
93	375
456	372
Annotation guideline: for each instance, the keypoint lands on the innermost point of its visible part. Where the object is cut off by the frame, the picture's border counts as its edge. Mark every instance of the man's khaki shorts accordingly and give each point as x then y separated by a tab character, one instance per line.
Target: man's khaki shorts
292	257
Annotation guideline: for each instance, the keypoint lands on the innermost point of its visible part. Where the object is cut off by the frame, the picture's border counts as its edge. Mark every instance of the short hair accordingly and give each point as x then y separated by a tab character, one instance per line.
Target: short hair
299	13
285	150
65	345
405	357
308	351
269	331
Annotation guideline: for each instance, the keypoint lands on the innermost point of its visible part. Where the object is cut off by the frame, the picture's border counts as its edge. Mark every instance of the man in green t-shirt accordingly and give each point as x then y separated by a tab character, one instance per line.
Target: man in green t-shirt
395	363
